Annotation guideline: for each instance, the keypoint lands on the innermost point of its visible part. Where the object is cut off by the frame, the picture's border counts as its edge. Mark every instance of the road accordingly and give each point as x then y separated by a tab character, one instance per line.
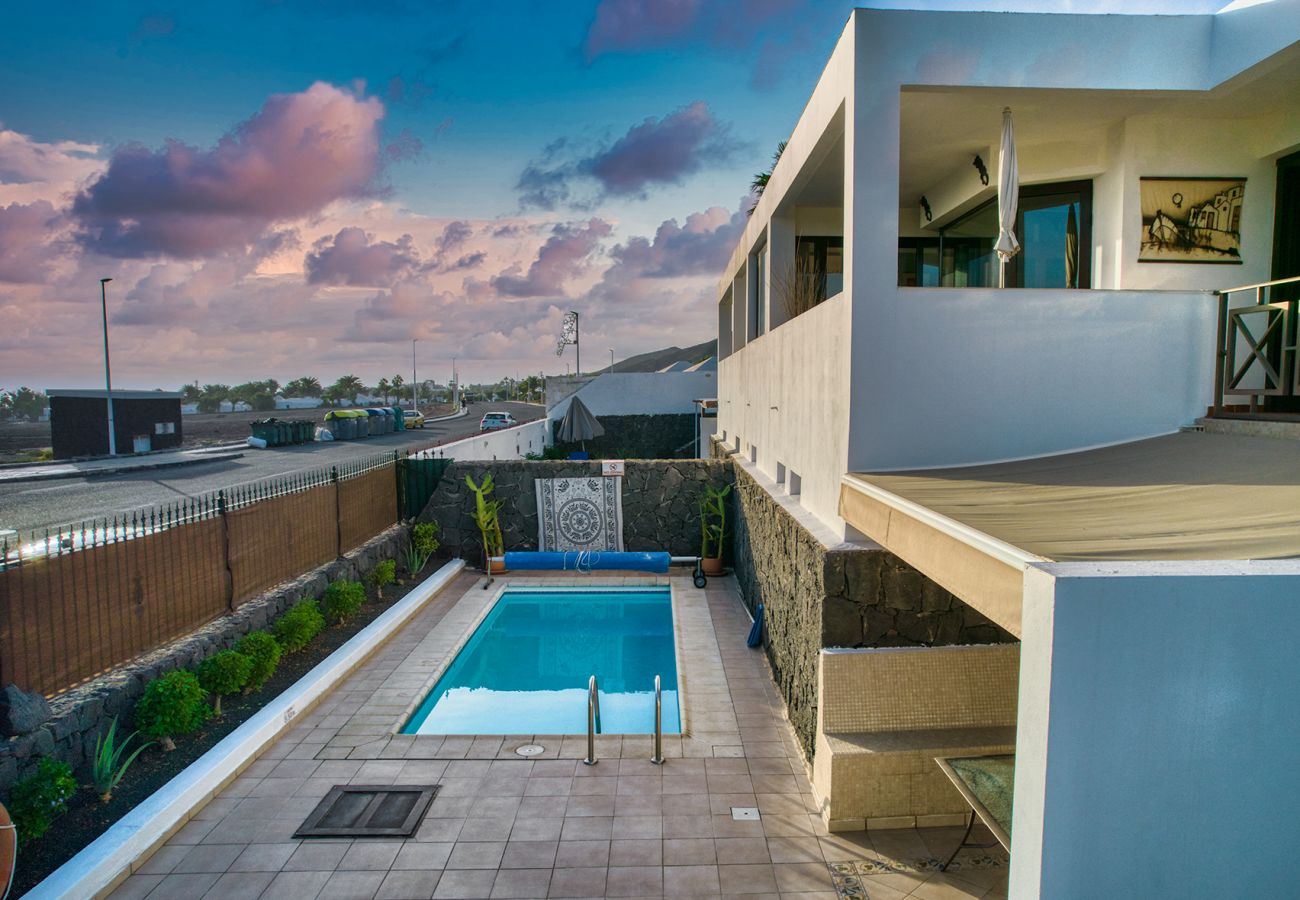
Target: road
28	505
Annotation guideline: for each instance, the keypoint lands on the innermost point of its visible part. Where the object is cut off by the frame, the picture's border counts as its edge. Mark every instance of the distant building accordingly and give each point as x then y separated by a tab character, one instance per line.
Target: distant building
143	421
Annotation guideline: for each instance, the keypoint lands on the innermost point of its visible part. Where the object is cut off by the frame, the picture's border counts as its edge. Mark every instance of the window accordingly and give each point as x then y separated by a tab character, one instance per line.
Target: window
823	259
760	292
164	428
1053	224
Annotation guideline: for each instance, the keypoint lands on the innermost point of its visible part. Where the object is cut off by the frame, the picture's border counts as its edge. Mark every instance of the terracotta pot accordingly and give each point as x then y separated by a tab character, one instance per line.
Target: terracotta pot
498	568
8	851
712	565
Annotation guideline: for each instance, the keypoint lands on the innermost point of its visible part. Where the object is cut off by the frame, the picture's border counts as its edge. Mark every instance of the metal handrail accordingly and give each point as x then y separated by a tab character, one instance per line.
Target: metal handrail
593	721
1227	328
658	758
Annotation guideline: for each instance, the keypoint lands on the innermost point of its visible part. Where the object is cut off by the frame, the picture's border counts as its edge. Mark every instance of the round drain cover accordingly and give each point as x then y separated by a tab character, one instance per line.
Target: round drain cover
530	750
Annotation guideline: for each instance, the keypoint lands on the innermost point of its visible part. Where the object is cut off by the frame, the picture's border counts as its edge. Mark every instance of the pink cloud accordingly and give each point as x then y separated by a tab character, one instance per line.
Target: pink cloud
297	154
353	257
26	249
638	24
565	255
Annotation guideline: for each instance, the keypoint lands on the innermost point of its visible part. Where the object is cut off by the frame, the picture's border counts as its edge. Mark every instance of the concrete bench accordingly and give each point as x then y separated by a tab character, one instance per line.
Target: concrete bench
885	714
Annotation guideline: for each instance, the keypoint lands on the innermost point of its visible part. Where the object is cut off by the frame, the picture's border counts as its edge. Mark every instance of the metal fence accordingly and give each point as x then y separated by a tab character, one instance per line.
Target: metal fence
80	599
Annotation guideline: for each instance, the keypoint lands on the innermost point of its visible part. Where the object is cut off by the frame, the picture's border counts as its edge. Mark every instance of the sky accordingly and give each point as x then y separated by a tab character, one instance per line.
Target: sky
281	188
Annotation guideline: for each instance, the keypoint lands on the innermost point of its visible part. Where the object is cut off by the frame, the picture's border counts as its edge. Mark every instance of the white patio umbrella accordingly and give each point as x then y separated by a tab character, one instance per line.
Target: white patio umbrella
1008	197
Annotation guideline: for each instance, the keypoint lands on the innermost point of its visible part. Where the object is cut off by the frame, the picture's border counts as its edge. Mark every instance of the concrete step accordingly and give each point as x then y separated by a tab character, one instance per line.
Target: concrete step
1285	430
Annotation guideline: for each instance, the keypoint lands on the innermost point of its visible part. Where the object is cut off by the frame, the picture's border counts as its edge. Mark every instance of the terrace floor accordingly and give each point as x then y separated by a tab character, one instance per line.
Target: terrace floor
502	826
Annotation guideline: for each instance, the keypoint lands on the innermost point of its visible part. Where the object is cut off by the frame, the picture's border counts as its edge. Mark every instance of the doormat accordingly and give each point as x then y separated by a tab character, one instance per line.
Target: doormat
369	810
580	513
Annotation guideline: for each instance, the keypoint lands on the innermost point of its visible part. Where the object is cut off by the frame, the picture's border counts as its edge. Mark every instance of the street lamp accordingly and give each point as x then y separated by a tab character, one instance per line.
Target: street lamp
108	371
415	385
611	359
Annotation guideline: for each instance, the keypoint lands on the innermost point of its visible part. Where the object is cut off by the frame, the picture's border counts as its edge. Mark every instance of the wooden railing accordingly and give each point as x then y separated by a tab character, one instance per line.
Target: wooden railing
1255	352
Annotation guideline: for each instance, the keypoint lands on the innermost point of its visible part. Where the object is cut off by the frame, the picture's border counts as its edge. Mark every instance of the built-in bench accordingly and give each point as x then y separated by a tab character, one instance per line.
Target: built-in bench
885	714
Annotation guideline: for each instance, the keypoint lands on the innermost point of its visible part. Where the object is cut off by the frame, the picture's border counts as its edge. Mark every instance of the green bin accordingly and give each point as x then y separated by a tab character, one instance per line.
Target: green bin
264	429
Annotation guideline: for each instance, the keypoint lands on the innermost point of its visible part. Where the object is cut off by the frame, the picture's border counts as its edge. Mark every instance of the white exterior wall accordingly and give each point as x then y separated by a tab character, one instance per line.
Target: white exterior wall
1158	726
777	397
641	394
507	443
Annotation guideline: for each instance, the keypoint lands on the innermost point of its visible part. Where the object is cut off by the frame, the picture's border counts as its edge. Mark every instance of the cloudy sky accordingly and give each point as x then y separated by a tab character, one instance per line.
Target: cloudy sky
282	188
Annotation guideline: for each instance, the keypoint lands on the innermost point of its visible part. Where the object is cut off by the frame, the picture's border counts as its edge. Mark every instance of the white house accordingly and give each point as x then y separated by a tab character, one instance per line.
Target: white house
873	373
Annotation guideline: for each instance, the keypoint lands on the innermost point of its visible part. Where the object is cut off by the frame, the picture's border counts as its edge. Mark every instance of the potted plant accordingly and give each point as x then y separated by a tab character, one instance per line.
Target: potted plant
488	519
713	527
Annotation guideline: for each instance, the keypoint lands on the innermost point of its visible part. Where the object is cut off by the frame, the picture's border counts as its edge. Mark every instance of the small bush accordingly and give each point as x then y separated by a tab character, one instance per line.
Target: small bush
424	538
342	600
40	798
173	704
224	673
295	629
381	576
263	652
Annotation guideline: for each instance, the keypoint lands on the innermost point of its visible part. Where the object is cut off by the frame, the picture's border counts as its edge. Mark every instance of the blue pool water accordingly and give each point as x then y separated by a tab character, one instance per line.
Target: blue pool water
525	668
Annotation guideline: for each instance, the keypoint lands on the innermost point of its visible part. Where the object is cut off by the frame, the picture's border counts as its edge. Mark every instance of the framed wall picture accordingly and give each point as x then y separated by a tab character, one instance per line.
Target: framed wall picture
1191	220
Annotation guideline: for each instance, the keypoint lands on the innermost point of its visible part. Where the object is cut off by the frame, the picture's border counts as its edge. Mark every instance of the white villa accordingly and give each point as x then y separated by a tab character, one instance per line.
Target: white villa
1021	446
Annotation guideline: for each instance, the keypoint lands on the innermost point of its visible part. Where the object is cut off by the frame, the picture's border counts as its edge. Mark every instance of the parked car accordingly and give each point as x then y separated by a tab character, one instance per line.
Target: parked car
495	420
414	418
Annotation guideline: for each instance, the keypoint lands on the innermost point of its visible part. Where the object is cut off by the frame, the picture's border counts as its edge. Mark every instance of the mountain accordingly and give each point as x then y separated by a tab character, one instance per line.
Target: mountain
657	359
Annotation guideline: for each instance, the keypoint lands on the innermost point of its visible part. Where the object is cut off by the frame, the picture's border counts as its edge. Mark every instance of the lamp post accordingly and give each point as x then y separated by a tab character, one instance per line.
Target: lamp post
611	359
455	386
108	371
415	385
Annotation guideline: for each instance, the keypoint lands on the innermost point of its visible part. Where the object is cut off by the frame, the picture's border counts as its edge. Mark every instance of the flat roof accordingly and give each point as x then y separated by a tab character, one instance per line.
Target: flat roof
92	393
1185	496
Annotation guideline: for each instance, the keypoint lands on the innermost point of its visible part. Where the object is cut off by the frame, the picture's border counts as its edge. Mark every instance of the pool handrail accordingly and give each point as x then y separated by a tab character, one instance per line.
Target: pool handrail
658	757
593	721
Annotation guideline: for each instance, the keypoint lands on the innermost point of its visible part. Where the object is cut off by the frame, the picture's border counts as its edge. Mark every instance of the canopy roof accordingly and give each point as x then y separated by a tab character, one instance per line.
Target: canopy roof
1188	496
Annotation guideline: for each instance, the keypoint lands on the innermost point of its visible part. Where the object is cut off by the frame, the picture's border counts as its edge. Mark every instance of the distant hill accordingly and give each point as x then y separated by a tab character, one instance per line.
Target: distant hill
657	359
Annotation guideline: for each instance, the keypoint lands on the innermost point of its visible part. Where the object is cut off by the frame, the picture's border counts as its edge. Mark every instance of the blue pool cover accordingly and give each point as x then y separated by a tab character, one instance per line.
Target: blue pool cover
587	561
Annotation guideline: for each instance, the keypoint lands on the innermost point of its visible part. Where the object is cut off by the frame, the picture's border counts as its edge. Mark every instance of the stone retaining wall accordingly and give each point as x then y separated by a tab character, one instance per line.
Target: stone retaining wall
665	436
815	596
81	713
660	502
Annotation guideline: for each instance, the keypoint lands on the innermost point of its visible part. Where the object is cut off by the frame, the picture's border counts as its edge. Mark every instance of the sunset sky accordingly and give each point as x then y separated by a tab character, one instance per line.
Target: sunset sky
283	188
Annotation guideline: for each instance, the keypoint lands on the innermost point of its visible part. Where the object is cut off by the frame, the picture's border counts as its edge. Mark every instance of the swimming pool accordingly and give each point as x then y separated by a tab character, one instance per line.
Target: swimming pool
525	668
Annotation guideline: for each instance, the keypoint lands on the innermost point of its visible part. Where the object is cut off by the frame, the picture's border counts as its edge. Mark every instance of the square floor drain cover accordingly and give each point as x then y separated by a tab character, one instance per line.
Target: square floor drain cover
744	813
369	810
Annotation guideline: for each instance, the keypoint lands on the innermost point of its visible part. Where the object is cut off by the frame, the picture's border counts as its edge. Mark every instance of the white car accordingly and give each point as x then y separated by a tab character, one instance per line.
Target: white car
495	420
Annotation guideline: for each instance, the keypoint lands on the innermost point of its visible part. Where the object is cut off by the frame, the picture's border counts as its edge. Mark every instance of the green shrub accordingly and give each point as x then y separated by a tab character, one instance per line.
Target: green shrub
424	538
173	704
295	629
263	651
224	673
381	576
40	798
107	768
342	600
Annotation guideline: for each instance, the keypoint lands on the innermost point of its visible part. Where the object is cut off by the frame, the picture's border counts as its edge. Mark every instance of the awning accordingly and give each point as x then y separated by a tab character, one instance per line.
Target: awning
1187	496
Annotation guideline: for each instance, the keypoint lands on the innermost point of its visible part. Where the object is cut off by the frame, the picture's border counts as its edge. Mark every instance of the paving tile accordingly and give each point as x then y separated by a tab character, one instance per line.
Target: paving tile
352	885
644	852
736	851
689	852
186	885
208	858
586	882
263	858
370	855
634	881
586	828
580	854
137	887
802	877
527	883
322	856
637	827
422	855
795	850
529	854
468	883
752	878
410	884
692	881
536	829
476	855
296	885
240	886
488	829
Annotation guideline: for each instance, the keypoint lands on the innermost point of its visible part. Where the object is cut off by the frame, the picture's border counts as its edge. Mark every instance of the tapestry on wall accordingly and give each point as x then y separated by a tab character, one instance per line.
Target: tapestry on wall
580	513
1191	220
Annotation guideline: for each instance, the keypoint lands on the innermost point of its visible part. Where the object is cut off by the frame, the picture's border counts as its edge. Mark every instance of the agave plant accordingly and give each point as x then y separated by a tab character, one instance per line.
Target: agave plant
108	768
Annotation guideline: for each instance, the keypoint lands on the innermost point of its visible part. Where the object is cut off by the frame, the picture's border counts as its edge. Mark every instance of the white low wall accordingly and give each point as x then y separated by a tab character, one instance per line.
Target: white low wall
641	394
507	443
1158	725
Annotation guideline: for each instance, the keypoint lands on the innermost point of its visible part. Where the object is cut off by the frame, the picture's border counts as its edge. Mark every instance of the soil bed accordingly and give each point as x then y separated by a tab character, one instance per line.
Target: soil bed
87	818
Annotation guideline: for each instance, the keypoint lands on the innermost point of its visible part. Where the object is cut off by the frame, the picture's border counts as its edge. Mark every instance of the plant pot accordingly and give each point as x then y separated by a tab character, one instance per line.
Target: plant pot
8	851
498	568
712	565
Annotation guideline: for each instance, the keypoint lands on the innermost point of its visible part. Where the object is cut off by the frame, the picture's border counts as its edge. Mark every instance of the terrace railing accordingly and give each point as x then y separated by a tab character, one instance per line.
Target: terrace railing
1255	354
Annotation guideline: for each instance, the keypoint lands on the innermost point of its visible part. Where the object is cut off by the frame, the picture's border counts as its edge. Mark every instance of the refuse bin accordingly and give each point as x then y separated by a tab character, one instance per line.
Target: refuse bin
264	429
338	425
399	419
300	432
373	425
349	420
285	431
389	424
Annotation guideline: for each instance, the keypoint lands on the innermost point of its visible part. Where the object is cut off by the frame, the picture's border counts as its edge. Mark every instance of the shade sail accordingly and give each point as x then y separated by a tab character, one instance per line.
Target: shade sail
579	424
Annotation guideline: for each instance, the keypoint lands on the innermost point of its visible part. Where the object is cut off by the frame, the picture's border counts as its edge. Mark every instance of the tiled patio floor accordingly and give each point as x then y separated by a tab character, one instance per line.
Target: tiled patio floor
502	826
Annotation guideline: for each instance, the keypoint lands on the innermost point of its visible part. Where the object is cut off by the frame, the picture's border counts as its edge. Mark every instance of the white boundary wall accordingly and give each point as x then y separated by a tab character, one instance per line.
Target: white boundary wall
507	443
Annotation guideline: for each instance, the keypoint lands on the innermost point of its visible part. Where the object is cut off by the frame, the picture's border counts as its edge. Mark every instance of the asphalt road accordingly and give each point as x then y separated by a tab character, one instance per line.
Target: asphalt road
27	505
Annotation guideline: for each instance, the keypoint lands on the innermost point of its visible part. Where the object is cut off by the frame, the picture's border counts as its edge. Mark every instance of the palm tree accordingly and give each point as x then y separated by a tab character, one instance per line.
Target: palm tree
384	387
348	387
307	386
397	382
759	184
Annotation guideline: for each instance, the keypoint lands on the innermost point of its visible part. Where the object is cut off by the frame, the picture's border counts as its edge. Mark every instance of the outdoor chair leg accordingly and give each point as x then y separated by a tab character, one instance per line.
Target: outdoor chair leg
962	843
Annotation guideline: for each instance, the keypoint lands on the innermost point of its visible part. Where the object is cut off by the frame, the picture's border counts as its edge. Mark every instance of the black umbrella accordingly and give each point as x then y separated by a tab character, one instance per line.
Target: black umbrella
579	424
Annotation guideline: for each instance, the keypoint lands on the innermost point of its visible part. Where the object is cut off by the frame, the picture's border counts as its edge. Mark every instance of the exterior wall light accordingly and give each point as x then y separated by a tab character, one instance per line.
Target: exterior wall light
925	206
978	163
